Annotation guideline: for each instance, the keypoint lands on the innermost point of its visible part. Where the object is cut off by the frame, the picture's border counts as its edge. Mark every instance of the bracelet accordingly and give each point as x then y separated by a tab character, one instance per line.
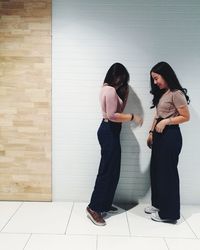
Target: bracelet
132	117
150	131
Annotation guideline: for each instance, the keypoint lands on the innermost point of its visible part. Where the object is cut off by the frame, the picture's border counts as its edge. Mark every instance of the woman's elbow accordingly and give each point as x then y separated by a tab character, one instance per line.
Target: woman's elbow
112	117
187	118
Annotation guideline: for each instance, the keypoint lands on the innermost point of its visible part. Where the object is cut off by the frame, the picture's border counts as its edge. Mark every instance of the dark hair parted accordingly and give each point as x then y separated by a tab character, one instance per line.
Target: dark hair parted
168	74
118	77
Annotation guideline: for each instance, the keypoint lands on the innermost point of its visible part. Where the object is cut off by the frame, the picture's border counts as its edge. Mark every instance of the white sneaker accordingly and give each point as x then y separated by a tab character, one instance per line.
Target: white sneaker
150	209
155	217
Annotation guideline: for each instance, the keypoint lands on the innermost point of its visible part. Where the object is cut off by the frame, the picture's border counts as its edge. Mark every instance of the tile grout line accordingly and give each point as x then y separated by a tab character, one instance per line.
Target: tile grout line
69	218
166	243
128	224
97	241
27	241
189	226
105	235
12	216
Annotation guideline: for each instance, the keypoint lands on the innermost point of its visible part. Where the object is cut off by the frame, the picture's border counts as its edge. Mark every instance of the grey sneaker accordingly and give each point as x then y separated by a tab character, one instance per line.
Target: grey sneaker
155	217
95	217
151	209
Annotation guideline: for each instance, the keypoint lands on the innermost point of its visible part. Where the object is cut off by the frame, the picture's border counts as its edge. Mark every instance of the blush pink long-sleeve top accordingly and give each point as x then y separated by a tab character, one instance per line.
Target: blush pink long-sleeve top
110	103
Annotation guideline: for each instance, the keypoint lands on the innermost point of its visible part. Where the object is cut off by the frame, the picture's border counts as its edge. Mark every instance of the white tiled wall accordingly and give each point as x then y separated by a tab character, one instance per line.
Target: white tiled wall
89	36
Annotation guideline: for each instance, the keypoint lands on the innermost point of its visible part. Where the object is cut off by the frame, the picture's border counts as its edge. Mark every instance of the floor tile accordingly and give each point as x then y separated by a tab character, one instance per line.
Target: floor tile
192	215
142	225
7	209
183	244
80	224
61	242
13	241
130	243
40	217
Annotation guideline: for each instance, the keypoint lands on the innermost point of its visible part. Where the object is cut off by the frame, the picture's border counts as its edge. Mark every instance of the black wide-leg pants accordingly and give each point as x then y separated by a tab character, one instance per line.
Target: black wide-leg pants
164	173
109	168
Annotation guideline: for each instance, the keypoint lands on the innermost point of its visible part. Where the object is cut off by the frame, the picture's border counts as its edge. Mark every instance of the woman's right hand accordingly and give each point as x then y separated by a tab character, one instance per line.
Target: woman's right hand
150	140
138	120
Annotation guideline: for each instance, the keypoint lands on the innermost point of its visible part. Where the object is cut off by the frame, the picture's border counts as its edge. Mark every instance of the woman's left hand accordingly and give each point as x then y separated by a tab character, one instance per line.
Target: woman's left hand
161	125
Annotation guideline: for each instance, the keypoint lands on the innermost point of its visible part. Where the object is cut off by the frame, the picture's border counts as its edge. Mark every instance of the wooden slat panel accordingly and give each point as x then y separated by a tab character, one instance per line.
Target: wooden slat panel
25	100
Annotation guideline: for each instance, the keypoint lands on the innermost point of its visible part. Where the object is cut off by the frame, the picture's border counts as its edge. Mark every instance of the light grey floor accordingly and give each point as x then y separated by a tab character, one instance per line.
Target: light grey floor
64	225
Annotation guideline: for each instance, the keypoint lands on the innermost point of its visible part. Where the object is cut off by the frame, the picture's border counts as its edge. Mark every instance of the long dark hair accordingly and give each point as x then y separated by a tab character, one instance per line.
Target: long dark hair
168	74
118	77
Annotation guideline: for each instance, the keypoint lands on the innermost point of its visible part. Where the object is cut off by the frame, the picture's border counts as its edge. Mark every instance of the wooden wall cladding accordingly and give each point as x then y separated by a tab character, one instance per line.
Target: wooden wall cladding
25	100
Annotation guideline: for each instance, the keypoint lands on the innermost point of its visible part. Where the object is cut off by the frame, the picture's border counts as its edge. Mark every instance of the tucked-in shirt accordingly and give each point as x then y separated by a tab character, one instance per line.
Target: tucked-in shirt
110	102
169	104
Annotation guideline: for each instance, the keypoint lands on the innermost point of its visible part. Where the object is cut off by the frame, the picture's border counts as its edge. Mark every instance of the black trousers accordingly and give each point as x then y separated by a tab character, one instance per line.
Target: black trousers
164	173
109	168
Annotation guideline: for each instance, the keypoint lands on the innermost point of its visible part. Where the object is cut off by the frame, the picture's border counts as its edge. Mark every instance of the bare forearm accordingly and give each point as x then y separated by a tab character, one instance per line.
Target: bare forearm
184	116
177	120
121	117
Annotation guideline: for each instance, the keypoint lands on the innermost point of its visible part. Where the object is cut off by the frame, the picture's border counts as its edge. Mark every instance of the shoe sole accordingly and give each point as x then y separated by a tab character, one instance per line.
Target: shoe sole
150	212
96	223
147	212
165	221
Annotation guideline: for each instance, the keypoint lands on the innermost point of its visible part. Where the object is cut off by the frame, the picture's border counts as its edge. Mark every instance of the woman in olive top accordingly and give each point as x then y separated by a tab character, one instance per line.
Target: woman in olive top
113	97
165	140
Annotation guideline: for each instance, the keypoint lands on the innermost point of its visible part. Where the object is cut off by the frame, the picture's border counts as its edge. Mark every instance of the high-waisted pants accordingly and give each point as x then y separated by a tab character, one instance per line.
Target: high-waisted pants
109	168
164	172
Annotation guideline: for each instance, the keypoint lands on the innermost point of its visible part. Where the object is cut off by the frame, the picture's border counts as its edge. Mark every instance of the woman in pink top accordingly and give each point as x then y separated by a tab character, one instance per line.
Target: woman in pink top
113	97
165	140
